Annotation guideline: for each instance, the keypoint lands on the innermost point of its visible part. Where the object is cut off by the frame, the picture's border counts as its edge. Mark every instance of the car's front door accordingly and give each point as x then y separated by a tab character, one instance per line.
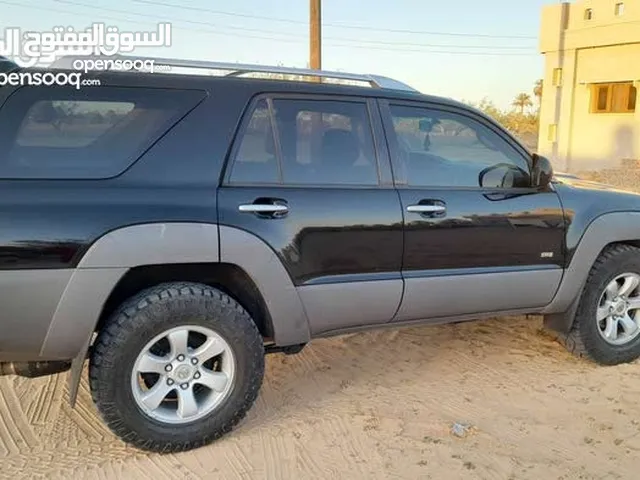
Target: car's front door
478	237
311	177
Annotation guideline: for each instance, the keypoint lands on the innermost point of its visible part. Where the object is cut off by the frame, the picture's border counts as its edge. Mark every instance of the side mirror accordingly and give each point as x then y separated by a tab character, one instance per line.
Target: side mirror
503	175
542	171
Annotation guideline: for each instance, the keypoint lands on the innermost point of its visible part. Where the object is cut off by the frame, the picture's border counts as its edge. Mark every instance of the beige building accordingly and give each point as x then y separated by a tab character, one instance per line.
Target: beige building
588	113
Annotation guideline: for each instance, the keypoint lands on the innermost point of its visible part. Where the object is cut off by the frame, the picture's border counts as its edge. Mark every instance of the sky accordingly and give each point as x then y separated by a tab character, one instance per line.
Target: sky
463	49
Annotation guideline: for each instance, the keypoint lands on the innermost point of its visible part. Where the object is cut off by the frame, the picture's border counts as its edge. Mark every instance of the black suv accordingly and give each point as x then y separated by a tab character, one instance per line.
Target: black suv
174	228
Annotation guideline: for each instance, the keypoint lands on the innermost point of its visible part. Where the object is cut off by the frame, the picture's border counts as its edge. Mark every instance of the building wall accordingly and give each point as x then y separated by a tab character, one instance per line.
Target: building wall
603	49
605	138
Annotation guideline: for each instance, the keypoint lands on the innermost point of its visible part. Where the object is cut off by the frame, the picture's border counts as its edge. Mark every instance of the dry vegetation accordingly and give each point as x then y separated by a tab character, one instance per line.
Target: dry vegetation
626	177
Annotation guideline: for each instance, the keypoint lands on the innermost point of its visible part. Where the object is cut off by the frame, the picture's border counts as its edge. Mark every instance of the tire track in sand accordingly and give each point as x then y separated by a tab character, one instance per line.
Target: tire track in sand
16	435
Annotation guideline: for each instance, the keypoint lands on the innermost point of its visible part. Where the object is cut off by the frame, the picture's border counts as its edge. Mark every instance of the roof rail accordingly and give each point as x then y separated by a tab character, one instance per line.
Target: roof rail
236	69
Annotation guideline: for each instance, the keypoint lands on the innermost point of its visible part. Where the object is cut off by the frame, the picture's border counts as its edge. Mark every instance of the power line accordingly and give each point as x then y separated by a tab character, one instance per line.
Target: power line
448	52
342	39
337	25
449	45
283	40
109	17
192	22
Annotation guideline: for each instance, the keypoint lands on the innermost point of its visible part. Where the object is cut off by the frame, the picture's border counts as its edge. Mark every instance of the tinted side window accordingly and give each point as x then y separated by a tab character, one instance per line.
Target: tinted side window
443	149
69	124
326	142
51	133
255	160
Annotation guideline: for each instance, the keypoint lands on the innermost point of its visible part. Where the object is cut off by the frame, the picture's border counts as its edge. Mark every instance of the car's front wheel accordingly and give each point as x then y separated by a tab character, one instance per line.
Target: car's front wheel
606	328
176	367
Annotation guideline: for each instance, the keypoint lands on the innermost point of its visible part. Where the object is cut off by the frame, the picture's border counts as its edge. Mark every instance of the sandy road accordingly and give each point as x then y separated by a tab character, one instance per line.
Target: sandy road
372	405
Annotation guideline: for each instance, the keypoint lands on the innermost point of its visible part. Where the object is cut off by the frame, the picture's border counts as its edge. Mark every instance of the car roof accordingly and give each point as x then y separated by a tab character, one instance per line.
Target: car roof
259	85
378	86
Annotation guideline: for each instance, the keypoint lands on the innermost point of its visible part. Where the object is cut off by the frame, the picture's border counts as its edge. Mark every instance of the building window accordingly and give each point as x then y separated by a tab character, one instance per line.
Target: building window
588	14
557	77
631	102
613	98
619	9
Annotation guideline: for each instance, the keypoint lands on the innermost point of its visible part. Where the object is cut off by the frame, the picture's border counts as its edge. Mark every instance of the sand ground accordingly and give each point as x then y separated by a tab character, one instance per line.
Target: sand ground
372	405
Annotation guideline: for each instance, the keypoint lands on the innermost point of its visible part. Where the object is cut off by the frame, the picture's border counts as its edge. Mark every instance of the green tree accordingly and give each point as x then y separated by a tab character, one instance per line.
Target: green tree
522	124
522	101
537	91
489	108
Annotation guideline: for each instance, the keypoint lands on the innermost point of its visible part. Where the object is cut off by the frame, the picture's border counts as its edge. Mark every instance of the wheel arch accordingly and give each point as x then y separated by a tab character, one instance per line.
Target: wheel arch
229	278
603	232
131	257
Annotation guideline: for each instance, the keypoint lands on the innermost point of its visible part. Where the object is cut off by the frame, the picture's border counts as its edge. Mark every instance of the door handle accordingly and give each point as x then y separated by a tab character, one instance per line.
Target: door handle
266	208
263	208
426	208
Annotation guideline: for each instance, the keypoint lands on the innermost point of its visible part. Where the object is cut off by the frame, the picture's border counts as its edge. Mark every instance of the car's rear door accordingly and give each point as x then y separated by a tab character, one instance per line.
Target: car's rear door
310	176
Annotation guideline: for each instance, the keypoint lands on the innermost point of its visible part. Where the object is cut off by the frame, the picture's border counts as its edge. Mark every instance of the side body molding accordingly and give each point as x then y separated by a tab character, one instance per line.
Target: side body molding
289	318
604	230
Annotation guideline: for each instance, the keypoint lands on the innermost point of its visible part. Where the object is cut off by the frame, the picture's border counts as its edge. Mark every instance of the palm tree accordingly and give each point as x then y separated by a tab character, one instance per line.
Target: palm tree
537	91
522	101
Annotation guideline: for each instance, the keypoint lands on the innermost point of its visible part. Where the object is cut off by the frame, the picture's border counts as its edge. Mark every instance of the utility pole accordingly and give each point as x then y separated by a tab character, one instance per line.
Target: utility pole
315	35
315	63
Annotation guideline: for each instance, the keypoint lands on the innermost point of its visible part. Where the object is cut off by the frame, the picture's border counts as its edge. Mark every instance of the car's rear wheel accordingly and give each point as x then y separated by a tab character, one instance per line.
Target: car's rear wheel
176	367
606	328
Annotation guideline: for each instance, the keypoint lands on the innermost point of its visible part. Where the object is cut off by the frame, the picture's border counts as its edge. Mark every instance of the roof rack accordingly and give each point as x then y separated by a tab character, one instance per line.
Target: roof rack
237	69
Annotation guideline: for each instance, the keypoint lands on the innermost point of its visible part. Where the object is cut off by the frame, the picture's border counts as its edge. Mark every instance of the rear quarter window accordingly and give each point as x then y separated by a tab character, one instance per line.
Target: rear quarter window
58	133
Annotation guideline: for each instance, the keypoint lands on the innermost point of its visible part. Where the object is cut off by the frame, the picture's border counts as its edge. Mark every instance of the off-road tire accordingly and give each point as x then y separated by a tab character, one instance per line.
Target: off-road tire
583	339
140	319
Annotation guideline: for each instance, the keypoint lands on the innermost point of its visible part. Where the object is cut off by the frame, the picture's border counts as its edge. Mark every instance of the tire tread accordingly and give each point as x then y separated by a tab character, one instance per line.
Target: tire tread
121	326
578	340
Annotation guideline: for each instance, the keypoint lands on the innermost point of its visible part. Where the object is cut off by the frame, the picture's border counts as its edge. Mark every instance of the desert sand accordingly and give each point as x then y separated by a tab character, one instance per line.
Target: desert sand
371	405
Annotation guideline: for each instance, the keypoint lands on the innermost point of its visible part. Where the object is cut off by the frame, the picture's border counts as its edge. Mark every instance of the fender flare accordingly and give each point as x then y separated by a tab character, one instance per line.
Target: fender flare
107	260
101	268
112	255
249	252
617	227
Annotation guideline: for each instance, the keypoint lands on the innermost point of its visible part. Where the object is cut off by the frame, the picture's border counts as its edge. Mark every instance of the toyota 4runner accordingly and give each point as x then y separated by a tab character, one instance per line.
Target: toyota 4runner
171	229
